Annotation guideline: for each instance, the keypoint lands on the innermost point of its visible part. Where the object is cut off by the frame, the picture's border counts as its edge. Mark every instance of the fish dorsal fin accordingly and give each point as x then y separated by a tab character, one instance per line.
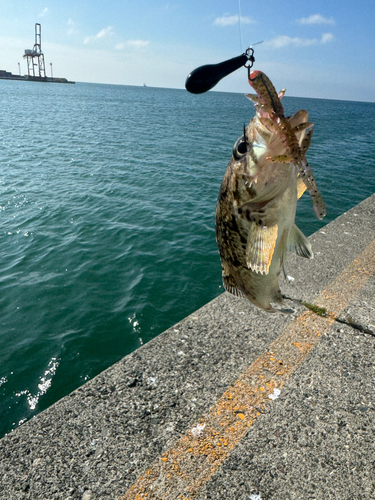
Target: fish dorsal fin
230	286
298	243
301	187
260	247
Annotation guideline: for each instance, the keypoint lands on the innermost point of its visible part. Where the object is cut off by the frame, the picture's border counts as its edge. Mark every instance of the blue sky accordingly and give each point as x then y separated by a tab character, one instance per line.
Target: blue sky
320	49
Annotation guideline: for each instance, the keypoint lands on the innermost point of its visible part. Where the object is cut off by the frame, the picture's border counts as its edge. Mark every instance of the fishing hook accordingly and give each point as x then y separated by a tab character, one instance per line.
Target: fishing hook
250	61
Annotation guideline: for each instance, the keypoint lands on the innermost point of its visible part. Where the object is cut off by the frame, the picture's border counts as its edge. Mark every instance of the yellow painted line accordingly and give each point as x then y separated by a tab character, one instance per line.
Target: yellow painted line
193	459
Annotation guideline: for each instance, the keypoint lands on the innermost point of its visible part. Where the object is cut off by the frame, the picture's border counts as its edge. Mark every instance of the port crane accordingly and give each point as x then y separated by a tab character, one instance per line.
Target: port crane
35	58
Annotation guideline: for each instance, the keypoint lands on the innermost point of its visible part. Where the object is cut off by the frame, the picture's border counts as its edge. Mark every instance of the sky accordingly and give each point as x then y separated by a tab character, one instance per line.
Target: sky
321	49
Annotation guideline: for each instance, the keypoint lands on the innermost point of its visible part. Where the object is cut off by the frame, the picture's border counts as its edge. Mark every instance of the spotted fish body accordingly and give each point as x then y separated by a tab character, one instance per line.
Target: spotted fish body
257	202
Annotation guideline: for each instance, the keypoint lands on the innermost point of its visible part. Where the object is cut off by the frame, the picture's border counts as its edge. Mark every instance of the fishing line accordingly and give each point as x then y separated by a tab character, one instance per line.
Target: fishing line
322	311
239	23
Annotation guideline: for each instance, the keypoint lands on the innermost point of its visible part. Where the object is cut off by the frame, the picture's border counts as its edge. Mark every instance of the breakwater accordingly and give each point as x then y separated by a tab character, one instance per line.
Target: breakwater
6	75
230	402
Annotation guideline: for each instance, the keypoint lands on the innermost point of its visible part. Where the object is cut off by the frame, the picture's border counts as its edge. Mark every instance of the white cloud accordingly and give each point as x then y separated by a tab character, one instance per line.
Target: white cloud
327	37
316	19
44	12
228	20
106	32
72	27
137	44
283	41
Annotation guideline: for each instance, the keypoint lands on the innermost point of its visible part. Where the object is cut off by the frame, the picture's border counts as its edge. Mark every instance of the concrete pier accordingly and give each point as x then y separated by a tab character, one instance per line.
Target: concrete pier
230	403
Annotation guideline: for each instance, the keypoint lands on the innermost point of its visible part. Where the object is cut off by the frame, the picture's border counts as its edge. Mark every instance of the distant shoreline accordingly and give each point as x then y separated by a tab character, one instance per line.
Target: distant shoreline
6	75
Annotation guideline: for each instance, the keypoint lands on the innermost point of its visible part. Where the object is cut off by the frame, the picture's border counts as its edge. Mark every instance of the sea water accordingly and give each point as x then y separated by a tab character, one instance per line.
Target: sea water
107	206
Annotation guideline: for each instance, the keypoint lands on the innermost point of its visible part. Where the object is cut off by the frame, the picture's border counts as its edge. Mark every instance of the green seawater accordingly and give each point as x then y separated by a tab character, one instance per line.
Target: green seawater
107	232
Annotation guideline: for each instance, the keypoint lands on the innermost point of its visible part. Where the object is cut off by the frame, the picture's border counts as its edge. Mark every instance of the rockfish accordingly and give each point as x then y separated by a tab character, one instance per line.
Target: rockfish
257	202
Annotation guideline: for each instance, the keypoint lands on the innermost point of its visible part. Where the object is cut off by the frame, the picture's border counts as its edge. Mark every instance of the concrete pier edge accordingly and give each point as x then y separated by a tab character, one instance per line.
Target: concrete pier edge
315	439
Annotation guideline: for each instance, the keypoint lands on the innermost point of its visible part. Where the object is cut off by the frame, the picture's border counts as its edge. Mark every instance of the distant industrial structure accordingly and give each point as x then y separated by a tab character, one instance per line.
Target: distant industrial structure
36	67
35	57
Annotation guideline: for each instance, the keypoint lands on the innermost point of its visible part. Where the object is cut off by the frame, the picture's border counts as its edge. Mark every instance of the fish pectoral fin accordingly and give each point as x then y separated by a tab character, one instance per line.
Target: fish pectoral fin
301	187
260	247
230	286
298	243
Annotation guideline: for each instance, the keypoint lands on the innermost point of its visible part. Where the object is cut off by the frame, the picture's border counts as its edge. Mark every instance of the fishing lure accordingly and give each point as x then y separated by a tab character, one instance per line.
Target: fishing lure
206	77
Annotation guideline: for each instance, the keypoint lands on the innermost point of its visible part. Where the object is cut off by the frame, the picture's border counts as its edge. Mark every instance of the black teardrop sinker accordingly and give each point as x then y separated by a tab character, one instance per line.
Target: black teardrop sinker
206	77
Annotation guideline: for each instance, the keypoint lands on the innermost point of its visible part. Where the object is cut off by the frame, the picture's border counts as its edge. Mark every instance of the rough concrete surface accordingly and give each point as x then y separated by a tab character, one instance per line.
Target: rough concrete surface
316	441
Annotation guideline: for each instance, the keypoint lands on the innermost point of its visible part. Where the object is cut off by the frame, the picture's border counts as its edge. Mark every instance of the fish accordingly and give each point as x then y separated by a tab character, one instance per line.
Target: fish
256	206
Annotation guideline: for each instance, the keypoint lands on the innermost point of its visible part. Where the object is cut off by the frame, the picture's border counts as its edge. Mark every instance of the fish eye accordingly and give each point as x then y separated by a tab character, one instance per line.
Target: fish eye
240	148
